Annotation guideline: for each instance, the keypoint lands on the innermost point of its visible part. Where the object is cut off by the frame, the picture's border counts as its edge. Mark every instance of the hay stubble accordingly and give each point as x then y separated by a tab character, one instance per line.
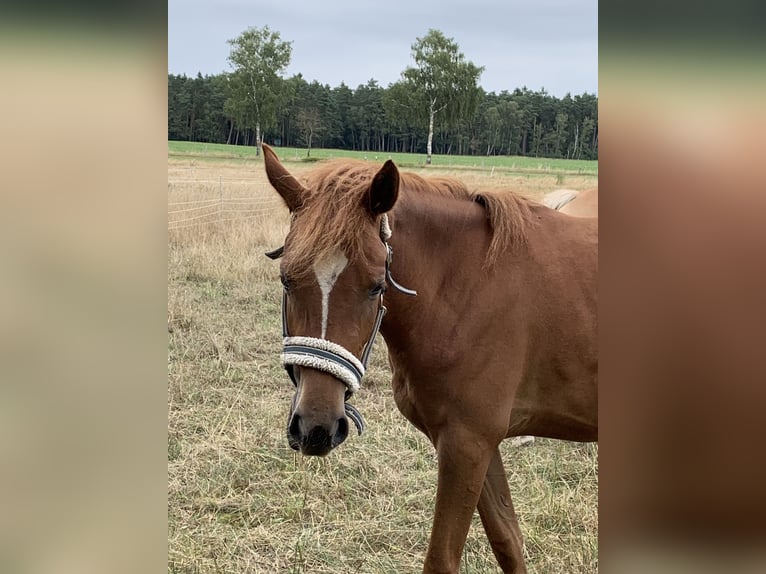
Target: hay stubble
239	500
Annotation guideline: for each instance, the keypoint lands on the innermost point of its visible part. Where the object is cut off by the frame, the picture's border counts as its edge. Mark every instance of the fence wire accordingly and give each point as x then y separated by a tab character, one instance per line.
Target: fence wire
195	212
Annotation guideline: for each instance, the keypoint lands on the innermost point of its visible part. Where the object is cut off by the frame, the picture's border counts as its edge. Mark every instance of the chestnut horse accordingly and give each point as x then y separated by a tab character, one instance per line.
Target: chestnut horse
578	203
499	340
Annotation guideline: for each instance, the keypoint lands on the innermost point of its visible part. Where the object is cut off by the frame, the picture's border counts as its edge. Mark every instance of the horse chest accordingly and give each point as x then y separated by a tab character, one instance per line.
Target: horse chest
405	396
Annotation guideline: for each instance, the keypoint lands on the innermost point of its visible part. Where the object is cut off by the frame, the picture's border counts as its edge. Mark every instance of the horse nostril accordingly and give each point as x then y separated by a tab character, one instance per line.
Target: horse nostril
341	431
294	431
295	426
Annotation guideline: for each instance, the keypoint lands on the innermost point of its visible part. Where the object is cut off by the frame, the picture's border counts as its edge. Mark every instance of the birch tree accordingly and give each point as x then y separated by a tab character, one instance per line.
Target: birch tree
259	57
442	82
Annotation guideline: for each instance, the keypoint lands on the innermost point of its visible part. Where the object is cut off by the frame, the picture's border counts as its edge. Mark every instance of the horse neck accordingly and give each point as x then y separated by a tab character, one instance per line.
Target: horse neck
439	247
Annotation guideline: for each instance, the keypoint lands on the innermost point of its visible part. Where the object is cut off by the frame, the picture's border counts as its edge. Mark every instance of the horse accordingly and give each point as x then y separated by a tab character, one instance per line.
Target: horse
577	203
490	321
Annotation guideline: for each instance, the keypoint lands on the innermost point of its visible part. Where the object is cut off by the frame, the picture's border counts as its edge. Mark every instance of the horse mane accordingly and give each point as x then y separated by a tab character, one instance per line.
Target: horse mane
334	216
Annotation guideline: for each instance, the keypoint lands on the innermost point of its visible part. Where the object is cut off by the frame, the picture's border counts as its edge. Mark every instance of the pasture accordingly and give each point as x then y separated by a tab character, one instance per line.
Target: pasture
527	165
239	499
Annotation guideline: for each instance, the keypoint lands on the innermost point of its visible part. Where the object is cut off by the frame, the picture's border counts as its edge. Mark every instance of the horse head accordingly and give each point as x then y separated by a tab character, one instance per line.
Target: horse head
333	270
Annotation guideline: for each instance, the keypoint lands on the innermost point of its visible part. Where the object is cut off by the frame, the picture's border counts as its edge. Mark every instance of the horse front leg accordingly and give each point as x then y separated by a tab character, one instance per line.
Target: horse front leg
499	519
463	458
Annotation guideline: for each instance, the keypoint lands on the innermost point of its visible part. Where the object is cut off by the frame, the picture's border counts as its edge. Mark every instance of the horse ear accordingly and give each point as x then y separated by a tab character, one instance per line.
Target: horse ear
384	189
286	185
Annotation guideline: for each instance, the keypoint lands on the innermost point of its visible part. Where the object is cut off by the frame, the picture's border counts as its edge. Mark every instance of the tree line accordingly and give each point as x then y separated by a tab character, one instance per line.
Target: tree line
436	106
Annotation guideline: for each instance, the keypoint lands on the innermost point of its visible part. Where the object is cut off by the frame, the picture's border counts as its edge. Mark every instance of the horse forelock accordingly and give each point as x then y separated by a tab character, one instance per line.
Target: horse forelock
334	213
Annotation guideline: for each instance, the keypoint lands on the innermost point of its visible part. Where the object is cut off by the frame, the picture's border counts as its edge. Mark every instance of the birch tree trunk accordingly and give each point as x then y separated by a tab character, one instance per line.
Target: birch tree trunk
576	153
431	112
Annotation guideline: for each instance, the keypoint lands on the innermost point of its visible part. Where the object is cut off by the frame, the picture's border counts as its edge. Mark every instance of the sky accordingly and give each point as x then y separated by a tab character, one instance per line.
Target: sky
551	44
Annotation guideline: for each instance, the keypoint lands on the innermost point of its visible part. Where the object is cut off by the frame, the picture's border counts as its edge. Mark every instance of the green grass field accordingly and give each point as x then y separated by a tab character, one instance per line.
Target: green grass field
515	164
239	499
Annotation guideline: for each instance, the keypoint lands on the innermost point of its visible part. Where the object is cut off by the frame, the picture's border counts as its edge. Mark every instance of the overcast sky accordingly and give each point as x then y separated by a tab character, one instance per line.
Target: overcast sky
551	44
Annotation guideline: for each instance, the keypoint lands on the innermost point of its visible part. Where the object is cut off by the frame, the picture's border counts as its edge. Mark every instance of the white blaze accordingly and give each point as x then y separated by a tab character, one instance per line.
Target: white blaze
327	271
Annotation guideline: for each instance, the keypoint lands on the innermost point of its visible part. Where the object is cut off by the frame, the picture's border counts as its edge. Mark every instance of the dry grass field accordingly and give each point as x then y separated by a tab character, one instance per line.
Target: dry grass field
239	499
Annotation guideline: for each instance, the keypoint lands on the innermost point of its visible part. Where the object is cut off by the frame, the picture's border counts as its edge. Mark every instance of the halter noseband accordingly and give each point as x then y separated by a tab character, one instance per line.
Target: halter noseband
332	358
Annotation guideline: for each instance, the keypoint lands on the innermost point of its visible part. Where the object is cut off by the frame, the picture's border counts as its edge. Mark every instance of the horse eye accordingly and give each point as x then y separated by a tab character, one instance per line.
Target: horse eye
286	283
378	289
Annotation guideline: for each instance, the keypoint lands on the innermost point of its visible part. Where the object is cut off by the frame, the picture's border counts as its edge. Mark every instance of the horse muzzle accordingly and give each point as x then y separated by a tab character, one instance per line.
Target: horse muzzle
312	437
